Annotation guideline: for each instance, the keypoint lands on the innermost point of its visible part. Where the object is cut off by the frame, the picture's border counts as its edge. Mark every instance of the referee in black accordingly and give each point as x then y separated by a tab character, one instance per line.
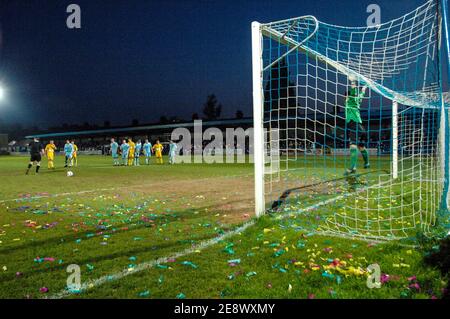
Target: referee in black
36	152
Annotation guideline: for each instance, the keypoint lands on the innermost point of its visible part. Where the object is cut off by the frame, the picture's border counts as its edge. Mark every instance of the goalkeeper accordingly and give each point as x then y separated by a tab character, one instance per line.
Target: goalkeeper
356	134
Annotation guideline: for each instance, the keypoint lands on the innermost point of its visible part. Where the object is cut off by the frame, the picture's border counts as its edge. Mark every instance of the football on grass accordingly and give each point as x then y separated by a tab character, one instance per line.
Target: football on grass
69	173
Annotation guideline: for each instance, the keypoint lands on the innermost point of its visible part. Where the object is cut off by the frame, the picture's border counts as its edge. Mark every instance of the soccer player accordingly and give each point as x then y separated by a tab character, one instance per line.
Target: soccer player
172	150
137	153
131	149
147	151
75	151
114	154
50	149
158	148
68	152
36	152
356	133
124	148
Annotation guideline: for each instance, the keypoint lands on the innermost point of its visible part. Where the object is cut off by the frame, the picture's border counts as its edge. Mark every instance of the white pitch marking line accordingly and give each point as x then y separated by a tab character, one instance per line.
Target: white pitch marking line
146	265
205	244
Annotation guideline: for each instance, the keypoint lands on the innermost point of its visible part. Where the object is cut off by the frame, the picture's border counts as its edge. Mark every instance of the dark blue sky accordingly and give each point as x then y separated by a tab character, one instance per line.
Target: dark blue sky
142	59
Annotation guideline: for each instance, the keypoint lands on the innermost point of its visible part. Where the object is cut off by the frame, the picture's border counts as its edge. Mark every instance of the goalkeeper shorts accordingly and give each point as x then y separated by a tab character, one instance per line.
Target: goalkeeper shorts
355	134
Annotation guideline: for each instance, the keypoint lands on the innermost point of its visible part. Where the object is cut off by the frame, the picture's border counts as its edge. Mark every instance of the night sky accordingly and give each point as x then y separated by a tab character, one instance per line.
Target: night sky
142	59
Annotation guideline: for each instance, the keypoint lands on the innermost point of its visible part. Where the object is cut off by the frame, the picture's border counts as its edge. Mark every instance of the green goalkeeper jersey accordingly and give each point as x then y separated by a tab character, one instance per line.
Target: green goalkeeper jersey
352	105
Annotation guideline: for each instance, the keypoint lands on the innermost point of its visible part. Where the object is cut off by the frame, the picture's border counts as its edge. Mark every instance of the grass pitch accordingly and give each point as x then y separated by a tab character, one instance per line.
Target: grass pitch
116	223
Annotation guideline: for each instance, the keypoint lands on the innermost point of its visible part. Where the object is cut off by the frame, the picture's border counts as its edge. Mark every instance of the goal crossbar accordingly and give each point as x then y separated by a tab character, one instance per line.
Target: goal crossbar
388	93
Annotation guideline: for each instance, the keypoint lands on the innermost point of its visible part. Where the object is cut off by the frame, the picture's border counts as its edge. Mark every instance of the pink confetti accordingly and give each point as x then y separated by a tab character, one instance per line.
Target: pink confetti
415	286
43	290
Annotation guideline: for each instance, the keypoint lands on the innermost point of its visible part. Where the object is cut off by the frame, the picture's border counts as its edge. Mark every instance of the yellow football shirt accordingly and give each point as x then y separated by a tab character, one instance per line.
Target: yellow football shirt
158	149
50	150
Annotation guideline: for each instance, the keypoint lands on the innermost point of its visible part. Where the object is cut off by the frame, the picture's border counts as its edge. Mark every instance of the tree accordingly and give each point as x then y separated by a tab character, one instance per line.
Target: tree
135	122
212	108
195	116
239	114
106	123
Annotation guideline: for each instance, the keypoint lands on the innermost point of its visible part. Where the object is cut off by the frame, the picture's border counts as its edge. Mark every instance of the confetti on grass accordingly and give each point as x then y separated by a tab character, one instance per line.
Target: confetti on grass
190	264
229	249
234	262
43	290
296	253
144	293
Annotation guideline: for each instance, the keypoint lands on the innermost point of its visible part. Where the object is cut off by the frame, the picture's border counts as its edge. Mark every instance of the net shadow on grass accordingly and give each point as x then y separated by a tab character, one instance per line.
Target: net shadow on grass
351	180
360	210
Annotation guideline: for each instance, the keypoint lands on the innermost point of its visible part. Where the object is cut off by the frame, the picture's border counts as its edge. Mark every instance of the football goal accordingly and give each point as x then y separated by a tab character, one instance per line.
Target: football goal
351	124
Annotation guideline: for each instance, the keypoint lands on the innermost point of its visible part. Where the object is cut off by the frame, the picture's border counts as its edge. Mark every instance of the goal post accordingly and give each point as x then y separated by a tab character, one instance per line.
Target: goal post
394	140
258	130
349	161
445	109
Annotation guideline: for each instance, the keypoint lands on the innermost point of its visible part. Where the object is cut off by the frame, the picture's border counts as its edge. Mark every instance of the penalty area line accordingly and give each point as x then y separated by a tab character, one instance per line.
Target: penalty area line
150	264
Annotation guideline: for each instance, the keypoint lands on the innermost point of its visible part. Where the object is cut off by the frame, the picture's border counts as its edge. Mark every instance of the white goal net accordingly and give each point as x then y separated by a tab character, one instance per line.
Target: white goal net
359	121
